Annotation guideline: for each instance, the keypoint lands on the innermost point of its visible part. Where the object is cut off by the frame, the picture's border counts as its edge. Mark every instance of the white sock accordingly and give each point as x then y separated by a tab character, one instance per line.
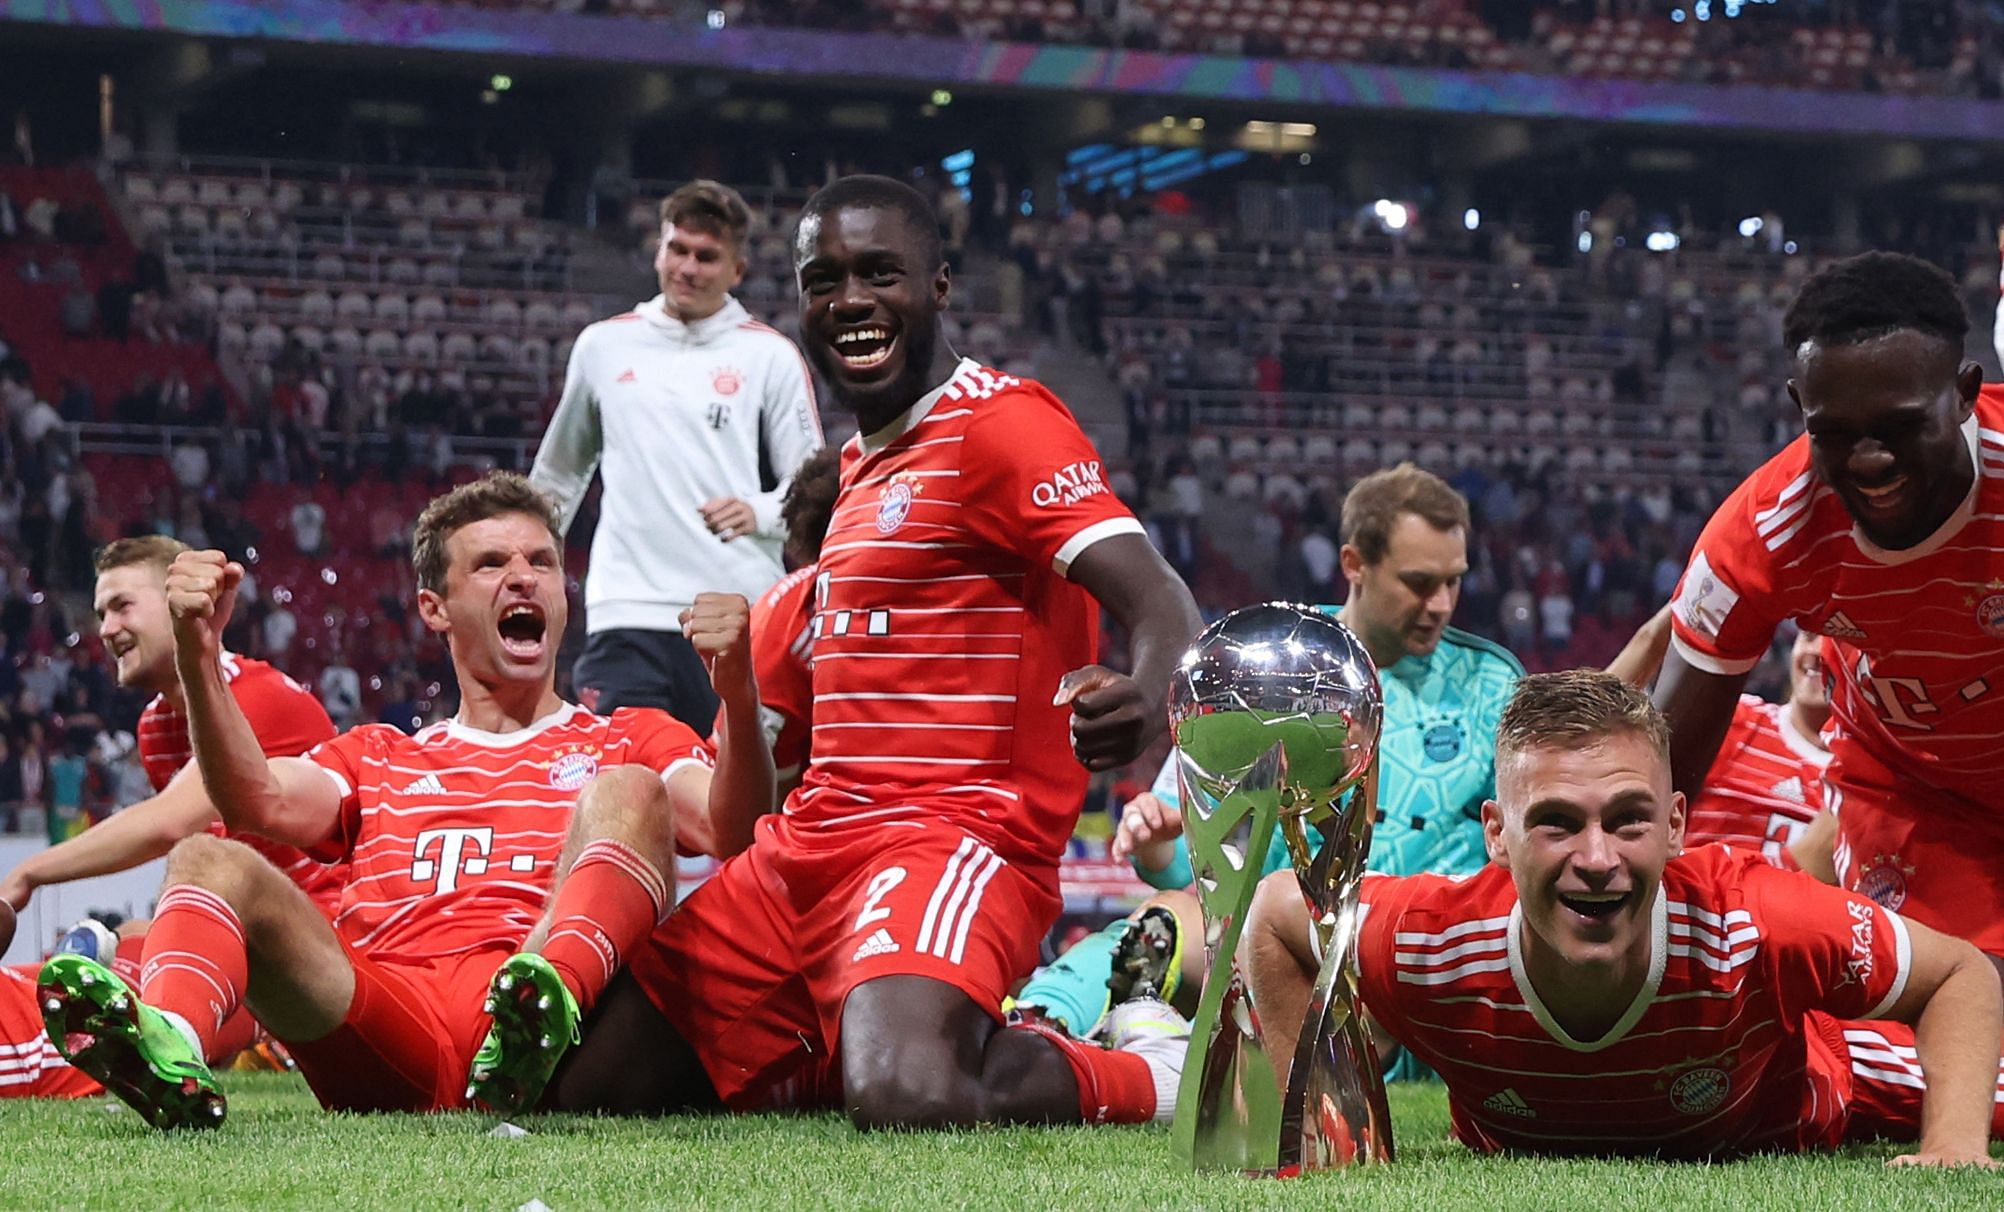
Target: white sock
187	1031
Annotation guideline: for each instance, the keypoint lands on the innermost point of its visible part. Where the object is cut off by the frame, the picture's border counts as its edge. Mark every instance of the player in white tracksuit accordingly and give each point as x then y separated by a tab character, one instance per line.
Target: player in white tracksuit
675	403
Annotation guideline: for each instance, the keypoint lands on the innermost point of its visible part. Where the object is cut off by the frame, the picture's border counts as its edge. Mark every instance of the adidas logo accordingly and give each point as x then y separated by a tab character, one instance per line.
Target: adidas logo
424	785
1509	1103
1841	627
879	943
628	377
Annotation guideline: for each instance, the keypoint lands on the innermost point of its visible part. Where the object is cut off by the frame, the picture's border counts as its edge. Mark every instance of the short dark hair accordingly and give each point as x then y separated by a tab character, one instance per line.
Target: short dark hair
810	504
1871	295
709	207
1372	507
1576	708
158	550
867	192
490	496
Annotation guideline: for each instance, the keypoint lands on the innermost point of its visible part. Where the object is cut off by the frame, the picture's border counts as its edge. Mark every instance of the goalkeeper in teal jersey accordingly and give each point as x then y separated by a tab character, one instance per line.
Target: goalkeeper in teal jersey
1405	550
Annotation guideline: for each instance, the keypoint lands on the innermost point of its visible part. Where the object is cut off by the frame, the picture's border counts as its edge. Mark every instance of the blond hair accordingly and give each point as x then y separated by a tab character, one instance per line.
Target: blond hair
1574	709
158	550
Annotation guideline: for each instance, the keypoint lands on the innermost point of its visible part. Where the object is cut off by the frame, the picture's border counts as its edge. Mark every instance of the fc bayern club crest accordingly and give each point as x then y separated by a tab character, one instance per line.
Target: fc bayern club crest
1990	615
894	506
1884	880
573	770
726	381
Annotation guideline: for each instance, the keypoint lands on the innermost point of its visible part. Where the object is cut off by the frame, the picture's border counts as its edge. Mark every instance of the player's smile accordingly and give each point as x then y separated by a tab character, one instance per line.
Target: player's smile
869	309
1884	420
865	349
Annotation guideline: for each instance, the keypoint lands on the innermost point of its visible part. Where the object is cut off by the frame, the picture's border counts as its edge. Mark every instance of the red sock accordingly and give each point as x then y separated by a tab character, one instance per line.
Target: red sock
239	1031
611	900
196	963
130	954
1114	1087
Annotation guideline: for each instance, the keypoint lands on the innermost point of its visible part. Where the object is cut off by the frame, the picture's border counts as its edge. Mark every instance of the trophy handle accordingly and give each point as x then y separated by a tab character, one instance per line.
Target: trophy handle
1228	1106
1335	1113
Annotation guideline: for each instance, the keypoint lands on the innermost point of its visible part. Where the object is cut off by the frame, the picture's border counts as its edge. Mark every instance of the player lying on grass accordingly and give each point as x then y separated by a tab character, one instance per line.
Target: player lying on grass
858	953
1591	991
130	600
454	837
1882	530
1405	550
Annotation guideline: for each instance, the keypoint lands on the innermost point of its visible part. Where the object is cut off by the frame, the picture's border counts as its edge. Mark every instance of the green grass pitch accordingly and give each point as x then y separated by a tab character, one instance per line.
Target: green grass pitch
279	1151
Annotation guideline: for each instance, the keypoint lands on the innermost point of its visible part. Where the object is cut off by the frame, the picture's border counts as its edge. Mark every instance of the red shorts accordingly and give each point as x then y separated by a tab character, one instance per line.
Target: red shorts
754	967
30	1066
1885	1082
1927	854
409	1037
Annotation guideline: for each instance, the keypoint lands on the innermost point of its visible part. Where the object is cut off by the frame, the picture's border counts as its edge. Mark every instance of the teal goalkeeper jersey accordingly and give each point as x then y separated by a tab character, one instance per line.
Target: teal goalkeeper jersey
1437	762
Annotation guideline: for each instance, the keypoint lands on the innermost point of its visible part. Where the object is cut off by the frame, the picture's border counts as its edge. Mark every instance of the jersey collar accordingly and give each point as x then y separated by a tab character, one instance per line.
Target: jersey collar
564	714
909	419
695	332
1659	939
1948	529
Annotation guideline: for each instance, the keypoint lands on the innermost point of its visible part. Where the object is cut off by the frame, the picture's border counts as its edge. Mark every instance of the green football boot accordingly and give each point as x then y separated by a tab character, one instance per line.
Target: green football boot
1148	959
535	1023
99	1025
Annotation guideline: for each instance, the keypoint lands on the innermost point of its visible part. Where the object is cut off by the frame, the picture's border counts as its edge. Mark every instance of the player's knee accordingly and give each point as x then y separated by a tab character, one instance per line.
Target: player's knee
906	1096
630	804
1277	922
215	863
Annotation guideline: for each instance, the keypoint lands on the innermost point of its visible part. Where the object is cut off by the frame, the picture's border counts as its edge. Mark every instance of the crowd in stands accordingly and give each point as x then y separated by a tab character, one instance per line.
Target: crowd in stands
1592	400
1950	47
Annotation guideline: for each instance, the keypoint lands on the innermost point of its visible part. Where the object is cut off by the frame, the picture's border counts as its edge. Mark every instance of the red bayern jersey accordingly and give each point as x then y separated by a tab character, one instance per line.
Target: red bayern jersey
1712	1058
288	721
1914	639
782	649
1765	786
944	620
453	835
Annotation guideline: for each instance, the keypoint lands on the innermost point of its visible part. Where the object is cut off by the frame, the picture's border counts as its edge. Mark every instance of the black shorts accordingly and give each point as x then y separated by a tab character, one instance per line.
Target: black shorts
627	667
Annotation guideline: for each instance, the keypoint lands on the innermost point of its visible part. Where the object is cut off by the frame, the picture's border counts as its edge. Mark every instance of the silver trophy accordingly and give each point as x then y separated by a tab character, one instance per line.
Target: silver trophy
1276	712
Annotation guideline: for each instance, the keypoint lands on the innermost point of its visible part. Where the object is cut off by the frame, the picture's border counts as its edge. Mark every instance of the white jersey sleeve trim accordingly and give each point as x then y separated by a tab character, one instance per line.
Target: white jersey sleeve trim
1707	662
1076	545
340	784
675	767
1902	956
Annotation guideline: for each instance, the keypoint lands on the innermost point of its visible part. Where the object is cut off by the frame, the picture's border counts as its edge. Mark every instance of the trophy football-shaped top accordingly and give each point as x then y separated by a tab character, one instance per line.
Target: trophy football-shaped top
1276	712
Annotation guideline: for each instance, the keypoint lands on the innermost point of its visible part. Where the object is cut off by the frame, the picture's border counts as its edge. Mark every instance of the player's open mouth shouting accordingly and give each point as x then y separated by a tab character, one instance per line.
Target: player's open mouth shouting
523	630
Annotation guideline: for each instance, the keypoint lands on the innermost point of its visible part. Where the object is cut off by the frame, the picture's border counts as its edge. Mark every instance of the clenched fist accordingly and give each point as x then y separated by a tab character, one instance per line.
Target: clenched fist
1112	720
718	626
201	593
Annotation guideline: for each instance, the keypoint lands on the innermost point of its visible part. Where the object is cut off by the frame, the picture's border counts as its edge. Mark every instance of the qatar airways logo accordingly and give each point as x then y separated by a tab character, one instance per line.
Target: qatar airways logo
1860	966
1070	484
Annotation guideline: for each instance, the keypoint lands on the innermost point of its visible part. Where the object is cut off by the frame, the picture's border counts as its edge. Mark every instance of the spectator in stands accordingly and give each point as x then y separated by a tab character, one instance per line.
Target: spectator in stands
683	509
341	690
309	526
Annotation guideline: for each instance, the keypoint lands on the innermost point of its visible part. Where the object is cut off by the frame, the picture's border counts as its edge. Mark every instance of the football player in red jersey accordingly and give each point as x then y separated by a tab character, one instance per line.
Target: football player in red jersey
1881	529
454	837
131	605
857	954
1591	992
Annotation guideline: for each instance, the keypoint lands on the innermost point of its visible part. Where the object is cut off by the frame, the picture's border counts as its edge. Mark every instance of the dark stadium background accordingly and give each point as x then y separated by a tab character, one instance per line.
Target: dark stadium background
273	273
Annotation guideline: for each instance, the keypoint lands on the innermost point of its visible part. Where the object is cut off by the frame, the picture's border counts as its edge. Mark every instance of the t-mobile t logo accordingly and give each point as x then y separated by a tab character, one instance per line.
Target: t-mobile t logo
453	856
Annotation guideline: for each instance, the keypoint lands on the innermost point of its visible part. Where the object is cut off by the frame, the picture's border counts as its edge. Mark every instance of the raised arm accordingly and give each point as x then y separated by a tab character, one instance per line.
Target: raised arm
1953	1000
715	810
285	799
1115	716
135	835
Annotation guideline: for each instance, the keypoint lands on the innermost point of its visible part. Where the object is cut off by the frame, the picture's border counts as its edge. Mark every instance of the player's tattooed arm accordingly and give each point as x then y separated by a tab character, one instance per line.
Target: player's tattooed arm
740	789
274	798
1114	715
1957	1011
